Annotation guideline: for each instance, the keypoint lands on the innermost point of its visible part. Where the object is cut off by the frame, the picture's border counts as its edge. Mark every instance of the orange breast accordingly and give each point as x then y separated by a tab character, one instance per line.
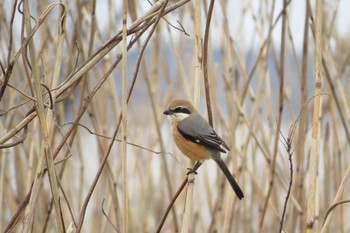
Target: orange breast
192	150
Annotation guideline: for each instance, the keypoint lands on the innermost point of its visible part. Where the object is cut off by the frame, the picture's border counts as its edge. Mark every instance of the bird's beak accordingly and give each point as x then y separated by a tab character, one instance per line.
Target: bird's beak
168	112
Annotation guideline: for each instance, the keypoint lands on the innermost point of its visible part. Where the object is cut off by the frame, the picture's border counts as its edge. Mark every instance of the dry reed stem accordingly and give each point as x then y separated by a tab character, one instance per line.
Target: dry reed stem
45	151
2	185
124	123
207	86
313	160
198	69
301	136
187	218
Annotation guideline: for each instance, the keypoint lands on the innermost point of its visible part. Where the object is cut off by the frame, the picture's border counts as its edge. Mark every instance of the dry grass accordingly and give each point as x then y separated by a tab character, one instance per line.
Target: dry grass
85	146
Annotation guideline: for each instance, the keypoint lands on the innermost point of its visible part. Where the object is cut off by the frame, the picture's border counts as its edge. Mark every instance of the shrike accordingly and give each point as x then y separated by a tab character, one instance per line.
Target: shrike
194	136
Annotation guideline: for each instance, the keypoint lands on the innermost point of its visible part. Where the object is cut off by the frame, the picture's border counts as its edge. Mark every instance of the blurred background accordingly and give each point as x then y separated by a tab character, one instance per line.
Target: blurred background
72	51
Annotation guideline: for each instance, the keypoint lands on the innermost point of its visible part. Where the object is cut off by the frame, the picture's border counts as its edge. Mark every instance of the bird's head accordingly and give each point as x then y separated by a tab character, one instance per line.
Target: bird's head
179	109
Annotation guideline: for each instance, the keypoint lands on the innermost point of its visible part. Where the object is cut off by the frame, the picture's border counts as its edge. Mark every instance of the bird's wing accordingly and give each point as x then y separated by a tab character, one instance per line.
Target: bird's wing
196	129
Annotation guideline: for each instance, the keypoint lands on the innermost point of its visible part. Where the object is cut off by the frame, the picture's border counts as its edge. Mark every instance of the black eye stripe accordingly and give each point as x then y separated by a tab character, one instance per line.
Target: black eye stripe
182	110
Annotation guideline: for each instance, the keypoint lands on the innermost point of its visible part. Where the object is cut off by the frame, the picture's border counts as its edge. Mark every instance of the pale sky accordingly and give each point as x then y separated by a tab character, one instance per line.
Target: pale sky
296	12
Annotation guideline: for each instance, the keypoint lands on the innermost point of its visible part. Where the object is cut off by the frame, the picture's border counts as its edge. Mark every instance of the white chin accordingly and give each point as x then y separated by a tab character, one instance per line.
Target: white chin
177	117
181	116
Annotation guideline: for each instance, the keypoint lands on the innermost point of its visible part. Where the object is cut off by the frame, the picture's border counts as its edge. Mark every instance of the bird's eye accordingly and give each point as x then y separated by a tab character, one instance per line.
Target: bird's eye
178	109
182	110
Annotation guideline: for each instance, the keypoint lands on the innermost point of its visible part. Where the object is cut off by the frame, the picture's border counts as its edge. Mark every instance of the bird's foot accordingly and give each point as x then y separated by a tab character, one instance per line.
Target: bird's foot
190	171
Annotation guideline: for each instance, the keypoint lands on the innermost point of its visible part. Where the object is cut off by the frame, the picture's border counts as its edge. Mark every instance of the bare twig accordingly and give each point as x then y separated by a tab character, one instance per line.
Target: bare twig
332	207
288	144
106	215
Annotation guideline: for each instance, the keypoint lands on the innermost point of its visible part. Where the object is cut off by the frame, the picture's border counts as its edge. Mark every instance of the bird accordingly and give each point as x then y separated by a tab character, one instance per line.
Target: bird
194	136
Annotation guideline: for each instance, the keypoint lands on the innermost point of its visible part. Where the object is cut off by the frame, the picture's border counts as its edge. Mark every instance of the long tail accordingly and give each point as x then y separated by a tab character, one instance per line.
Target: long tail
229	177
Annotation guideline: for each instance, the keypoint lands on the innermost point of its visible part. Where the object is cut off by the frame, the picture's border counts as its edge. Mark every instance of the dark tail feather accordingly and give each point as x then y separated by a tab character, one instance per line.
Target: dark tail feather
229	177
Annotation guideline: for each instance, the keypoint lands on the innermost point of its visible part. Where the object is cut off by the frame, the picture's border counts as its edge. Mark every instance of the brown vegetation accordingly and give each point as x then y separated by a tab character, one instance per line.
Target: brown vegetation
84	146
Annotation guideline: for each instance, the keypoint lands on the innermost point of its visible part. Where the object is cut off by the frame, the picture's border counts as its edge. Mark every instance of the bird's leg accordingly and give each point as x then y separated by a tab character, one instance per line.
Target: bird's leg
194	169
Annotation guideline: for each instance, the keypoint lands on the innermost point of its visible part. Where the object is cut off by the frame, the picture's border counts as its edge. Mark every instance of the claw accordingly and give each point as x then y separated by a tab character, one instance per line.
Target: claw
191	170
